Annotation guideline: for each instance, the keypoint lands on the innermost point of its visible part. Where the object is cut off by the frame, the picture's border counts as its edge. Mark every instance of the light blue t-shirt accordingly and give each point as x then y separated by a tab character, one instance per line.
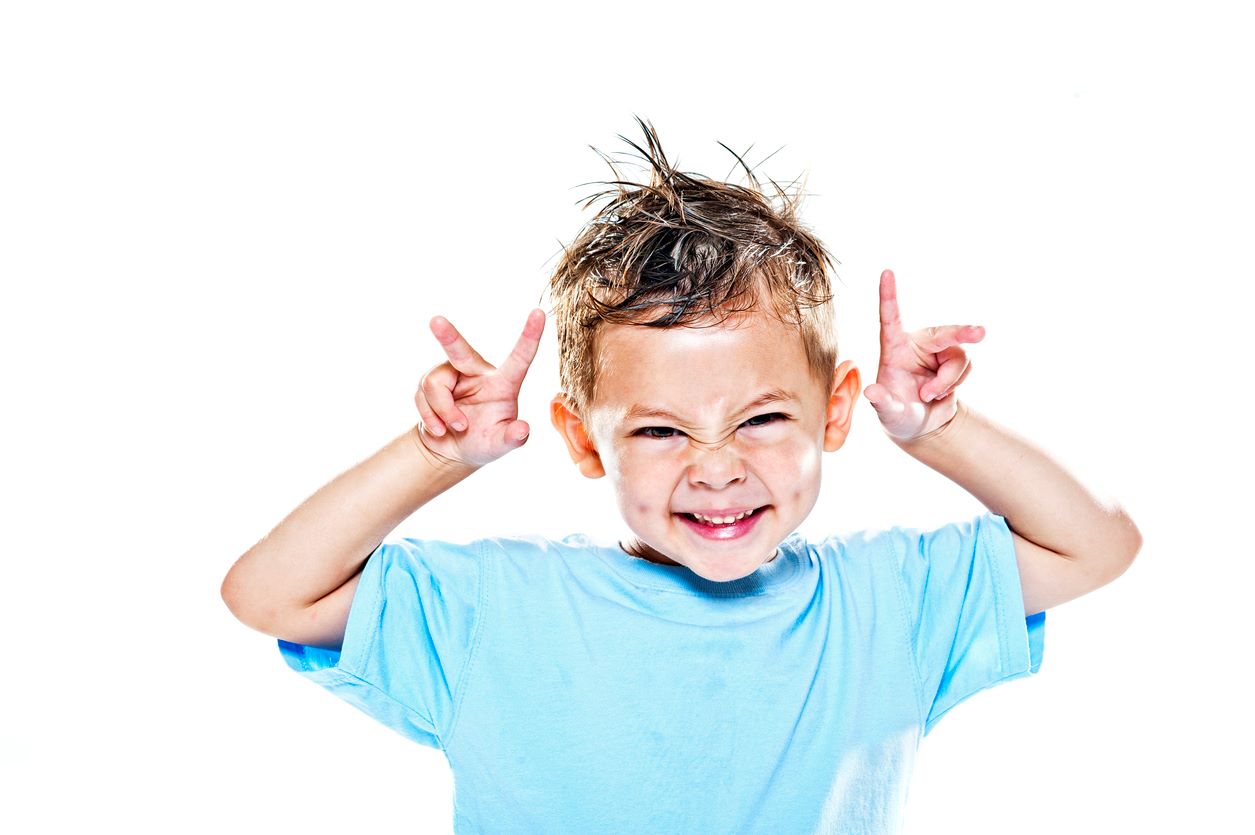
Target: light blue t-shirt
574	688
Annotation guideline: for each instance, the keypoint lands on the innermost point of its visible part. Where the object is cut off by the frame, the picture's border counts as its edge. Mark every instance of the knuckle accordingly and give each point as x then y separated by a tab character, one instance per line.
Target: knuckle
438	394
431	381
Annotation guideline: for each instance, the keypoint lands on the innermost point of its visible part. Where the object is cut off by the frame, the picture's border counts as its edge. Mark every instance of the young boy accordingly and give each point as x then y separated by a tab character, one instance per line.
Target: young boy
716	673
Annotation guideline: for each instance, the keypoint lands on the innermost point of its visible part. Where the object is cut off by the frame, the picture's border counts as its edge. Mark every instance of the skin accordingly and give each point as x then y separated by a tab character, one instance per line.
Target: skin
714	451
711	452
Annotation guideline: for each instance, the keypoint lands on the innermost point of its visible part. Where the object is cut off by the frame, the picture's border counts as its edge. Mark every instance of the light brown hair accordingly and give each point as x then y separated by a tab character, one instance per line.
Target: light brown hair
683	250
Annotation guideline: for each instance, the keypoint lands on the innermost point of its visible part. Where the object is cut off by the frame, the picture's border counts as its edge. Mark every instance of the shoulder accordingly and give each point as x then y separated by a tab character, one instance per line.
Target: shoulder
912	548
526	551
903	539
851	545
847	558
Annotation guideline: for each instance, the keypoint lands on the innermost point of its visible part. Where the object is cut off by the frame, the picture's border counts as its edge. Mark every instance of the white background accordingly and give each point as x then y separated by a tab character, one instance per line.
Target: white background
224	228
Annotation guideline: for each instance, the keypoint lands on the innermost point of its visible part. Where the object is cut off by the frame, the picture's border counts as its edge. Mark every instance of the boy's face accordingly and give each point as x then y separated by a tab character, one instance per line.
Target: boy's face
712	437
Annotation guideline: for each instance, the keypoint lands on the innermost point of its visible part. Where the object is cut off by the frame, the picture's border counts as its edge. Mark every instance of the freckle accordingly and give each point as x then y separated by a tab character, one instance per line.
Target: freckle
642	508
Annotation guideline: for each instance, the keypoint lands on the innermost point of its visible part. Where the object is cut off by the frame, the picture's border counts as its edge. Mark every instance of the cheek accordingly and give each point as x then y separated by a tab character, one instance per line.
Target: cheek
808	463
795	458
793	470
799	476
640	482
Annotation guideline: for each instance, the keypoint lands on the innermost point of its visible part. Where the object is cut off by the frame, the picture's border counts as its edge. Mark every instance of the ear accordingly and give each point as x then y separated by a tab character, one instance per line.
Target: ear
571	427
846	385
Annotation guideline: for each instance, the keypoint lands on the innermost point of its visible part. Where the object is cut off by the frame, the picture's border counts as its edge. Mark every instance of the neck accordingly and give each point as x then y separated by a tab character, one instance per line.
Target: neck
639	549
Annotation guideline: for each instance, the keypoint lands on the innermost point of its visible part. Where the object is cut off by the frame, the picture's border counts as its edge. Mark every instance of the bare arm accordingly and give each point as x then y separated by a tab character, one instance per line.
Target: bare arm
1067	541
297	583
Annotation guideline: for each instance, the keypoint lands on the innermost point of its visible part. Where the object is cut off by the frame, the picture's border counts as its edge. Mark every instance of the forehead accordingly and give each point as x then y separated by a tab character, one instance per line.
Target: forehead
711	368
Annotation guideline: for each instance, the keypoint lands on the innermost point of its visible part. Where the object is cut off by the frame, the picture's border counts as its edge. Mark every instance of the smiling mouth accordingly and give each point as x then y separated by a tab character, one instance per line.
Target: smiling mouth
713	521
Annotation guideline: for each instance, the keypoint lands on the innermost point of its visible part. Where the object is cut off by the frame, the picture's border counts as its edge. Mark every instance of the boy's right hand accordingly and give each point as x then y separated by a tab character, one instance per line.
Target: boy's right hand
469	408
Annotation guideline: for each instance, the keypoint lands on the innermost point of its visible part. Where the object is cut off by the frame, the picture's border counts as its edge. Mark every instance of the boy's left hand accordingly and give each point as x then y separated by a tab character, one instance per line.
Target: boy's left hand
919	371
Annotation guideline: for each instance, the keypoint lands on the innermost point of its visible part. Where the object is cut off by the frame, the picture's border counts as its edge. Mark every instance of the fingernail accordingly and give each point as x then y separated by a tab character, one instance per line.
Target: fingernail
458	425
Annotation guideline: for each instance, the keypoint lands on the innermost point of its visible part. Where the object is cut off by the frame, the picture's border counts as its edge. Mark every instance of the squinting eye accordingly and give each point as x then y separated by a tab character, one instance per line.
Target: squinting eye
763	420
659	432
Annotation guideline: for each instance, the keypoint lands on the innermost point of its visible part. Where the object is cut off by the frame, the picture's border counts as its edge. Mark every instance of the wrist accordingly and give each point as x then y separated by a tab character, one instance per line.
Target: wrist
941	434
435	461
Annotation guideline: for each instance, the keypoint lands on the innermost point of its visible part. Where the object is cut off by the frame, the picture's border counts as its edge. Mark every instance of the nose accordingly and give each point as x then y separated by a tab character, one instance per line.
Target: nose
715	467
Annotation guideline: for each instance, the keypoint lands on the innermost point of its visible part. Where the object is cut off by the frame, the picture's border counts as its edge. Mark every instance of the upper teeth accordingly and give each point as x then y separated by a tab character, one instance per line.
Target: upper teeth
722	520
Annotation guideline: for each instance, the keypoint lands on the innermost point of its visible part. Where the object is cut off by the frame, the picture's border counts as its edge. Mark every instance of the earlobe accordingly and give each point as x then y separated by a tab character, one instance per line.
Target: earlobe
846	385
570	426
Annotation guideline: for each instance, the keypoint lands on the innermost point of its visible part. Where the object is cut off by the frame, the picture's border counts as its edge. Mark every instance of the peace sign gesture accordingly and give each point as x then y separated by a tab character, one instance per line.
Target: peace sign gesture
469	408
918	372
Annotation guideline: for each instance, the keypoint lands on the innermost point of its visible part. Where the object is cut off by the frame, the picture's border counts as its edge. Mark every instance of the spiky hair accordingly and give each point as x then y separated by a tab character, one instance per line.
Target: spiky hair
683	250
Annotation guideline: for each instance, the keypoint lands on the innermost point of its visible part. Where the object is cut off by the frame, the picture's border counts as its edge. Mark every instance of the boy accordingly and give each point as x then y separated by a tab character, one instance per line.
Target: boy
716	673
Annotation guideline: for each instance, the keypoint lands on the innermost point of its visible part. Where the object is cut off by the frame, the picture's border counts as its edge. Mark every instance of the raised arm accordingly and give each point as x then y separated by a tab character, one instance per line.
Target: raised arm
297	583
1068	542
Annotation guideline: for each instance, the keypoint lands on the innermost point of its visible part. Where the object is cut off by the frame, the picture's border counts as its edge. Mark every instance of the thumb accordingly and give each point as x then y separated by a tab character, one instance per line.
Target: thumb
516	433
883	401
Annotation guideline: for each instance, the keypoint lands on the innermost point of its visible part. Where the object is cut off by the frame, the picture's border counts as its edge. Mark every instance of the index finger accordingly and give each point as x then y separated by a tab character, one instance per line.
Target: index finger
515	366
890	324
460	353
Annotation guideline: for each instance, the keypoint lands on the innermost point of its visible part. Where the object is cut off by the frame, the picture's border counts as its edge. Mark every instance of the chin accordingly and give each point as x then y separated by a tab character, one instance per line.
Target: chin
723	577
723	571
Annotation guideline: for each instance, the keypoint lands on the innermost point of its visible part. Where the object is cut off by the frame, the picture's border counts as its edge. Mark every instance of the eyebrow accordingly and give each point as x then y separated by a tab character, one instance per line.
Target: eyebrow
773	396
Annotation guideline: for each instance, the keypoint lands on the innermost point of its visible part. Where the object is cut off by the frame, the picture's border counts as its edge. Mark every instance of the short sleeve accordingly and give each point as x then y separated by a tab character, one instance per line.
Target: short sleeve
964	611
410	638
